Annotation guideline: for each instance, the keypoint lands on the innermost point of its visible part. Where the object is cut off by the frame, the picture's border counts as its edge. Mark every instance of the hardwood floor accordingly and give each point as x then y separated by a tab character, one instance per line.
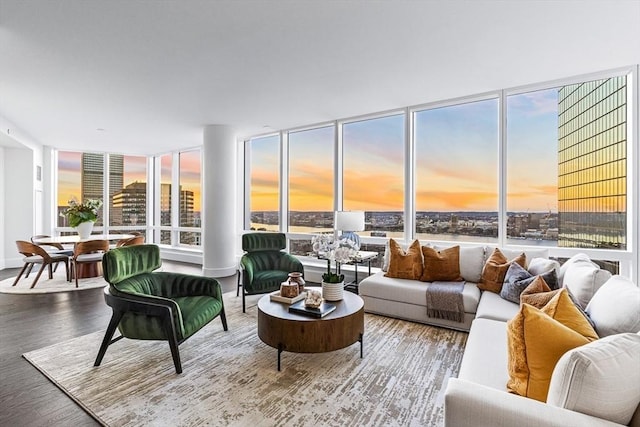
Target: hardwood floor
30	322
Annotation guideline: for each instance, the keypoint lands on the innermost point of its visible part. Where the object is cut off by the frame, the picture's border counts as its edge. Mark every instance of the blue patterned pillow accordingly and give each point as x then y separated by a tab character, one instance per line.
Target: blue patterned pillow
517	279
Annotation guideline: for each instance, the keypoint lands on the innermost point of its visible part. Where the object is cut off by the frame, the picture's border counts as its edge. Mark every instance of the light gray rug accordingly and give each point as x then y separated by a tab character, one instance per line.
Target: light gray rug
230	378
46	286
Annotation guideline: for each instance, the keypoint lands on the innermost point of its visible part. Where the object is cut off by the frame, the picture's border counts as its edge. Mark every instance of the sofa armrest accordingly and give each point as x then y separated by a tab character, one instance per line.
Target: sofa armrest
474	405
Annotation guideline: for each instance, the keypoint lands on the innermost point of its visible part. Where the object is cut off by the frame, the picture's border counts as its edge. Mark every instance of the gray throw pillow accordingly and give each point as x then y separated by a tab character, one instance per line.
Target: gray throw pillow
517	279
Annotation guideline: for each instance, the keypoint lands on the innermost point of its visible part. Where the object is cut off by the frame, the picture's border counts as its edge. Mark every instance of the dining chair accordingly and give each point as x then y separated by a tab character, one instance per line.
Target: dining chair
51	248
34	254
131	241
87	252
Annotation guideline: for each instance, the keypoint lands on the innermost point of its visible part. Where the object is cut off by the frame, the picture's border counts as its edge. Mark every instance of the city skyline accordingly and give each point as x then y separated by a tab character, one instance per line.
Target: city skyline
134	170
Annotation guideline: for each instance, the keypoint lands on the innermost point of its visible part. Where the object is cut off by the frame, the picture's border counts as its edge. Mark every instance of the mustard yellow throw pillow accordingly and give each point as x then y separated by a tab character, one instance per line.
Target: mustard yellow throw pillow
441	265
495	269
405	265
538	338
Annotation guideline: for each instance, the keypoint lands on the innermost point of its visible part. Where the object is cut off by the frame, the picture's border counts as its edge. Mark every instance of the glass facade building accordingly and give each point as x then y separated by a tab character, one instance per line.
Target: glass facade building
592	164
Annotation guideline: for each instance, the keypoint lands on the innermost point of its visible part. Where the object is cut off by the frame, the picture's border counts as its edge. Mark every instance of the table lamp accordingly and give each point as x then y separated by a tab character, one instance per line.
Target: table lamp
349	222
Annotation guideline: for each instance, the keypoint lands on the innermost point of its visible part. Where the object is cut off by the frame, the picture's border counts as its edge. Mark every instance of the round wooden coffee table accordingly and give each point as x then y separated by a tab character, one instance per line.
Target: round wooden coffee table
298	333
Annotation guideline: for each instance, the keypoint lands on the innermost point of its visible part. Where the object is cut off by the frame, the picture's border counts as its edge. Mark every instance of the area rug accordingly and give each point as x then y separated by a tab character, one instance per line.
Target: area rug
46	285
231	379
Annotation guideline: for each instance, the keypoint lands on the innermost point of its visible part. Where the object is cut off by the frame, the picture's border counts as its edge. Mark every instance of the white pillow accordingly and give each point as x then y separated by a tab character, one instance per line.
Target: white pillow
471	261
615	308
601	378
512	253
539	266
576	258
583	279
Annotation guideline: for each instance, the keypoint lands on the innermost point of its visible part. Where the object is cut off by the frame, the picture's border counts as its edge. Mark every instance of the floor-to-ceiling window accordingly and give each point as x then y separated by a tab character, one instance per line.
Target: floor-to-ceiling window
121	182
567	165
373	173
311	184
456	170
264	182
127	193
538	166
190	197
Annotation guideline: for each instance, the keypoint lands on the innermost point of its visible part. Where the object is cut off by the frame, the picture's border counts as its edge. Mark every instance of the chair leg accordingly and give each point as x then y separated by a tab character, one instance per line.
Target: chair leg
66	269
24	267
50	268
40	270
243	303
75	272
238	288
170	331
223	317
29	270
111	329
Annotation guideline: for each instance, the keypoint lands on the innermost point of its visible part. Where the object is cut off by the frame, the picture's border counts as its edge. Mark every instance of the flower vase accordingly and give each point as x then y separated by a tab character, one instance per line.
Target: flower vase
84	229
332	291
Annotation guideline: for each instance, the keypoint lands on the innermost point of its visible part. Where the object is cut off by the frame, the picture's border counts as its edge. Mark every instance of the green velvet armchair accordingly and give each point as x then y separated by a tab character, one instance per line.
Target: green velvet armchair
151	305
264	266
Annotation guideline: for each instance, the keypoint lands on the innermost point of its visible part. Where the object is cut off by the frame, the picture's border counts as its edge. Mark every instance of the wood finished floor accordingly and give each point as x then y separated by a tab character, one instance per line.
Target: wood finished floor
30	322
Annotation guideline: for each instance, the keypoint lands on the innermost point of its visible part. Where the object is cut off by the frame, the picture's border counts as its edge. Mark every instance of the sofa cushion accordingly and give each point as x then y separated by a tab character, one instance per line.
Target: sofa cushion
471	262
539	266
512	253
583	279
615	307
600	378
493	307
411	291
517	279
536	342
443	265
580	257
387	254
538	293
405	264
485	355
495	269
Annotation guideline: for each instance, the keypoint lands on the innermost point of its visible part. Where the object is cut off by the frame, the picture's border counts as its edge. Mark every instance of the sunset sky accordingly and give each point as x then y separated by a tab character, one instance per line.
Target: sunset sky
456	160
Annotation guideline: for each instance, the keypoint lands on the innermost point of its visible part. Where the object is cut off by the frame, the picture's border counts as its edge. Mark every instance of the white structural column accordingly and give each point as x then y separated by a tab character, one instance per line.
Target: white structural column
219	178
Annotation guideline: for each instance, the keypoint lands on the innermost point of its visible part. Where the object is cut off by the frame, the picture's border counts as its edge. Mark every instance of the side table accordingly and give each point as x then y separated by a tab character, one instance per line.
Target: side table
361	258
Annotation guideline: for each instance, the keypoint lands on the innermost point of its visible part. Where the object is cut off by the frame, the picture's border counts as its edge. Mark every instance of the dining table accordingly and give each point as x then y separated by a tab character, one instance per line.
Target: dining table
85	270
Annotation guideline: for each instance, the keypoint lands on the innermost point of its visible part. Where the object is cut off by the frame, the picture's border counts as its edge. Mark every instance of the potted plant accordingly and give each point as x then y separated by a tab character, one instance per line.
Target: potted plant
81	216
339	251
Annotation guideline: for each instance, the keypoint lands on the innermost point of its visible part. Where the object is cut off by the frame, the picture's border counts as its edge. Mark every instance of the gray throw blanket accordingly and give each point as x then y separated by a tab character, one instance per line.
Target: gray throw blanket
444	301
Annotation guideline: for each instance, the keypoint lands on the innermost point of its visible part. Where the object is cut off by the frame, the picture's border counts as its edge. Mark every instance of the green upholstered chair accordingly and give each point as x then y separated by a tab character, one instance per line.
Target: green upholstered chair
150	305
264	266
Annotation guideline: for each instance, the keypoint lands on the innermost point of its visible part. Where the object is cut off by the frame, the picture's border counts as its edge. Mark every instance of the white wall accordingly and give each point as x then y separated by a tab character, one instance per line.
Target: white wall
18	201
19	155
2	204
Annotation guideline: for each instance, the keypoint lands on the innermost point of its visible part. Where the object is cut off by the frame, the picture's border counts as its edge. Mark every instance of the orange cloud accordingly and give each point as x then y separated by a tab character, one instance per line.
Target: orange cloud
456	200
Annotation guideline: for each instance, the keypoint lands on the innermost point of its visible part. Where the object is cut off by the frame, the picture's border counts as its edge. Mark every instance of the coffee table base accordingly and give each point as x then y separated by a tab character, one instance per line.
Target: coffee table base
280	350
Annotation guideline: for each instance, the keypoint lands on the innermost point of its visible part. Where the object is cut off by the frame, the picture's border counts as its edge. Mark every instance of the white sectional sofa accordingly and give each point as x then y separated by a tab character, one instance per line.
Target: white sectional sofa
478	397
406	299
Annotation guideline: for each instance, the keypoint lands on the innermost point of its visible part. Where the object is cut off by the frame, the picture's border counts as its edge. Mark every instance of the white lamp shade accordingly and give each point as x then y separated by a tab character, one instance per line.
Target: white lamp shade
349	220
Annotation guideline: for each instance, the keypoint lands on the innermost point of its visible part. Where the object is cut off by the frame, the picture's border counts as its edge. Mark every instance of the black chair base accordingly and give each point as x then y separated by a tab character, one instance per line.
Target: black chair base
121	305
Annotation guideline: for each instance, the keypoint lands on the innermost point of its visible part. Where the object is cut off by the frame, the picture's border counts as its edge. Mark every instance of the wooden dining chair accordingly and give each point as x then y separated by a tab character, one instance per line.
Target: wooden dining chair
131	241
51	248
88	252
34	254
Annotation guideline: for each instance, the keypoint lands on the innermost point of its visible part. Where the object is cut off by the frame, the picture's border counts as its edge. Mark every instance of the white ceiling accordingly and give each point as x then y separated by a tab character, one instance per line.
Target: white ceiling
153	73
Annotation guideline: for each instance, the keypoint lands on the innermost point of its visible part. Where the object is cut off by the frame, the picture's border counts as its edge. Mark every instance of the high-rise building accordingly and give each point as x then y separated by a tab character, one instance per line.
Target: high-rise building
592	173
130	205
92	177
